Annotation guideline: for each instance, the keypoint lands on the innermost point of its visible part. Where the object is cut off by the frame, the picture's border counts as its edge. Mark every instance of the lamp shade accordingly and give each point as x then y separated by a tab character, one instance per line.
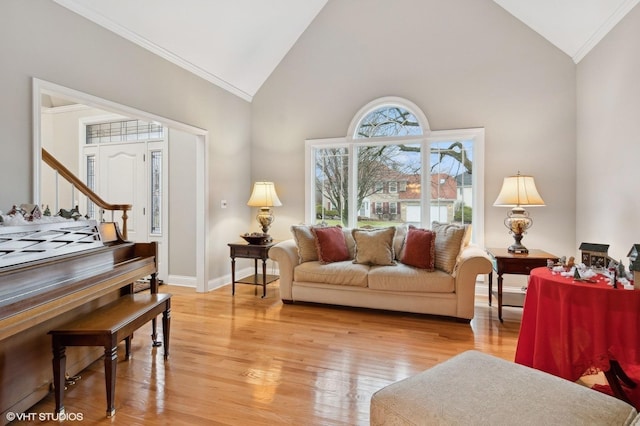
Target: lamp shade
264	195
519	191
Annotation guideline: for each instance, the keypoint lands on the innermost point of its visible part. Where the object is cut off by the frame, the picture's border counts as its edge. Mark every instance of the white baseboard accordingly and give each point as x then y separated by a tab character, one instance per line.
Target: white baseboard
181	280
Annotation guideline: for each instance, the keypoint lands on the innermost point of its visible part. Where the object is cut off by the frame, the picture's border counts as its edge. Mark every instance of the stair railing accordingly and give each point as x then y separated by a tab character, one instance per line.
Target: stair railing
52	162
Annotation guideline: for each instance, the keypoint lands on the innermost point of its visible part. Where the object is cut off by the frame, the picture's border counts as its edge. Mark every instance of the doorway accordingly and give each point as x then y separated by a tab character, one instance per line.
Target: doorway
125	161
200	246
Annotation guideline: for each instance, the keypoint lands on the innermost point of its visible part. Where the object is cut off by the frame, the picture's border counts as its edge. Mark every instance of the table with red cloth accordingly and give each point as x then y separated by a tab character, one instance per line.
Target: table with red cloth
570	327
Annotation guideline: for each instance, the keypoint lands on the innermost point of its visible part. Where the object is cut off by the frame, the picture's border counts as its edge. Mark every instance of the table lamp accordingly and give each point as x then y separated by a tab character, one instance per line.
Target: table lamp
264	196
517	192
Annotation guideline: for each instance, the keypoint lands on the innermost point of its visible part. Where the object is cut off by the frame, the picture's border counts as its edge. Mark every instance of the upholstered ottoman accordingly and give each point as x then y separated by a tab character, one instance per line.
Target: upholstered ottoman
478	389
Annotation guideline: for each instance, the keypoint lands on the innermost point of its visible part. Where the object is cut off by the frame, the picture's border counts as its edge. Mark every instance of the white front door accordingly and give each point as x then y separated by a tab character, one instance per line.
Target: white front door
122	179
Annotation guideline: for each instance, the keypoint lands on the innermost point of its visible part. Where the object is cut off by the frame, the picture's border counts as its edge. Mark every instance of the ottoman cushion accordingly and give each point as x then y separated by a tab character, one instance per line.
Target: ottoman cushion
478	389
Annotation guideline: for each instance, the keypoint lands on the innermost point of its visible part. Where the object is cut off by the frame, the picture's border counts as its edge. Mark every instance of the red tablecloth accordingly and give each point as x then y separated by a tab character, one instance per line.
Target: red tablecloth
568	327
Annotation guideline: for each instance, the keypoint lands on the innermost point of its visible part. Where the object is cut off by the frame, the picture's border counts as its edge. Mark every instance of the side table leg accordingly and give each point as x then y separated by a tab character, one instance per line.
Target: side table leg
233	276
500	297
255	277
264	278
490	286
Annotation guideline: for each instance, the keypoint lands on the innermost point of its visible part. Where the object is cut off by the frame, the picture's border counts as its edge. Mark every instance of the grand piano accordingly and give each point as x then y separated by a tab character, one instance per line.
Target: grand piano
50	274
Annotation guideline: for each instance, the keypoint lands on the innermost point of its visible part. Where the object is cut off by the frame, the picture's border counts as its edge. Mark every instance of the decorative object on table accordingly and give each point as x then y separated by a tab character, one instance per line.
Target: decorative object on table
595	255
74	213
634	264
31	212
257	238
264	196
571	262
518	192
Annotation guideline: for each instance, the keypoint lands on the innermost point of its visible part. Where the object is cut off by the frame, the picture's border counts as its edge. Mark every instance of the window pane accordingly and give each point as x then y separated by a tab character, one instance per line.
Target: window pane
331	188
91	183
156	192
451	184
380	168
119	131
388	121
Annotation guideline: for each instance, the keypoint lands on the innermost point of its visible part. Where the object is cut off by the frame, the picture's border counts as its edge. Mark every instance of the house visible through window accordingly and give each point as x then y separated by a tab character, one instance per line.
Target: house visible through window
387	160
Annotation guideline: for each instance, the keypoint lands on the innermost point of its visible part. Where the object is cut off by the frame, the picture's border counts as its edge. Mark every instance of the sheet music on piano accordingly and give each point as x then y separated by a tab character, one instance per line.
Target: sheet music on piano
25	243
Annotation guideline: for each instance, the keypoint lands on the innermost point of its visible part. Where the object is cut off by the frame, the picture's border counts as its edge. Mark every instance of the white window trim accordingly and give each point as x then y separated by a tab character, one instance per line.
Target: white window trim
476	135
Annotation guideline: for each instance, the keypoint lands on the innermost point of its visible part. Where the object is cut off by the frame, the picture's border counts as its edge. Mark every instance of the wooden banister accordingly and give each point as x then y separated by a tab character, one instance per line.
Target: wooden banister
52	162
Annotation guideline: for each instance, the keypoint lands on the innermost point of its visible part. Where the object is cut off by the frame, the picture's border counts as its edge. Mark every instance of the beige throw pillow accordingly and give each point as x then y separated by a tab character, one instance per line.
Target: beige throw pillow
450	239
375	246
306	242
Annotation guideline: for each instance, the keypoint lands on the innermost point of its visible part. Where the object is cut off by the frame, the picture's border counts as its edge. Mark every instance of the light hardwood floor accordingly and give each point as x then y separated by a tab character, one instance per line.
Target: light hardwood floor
243	360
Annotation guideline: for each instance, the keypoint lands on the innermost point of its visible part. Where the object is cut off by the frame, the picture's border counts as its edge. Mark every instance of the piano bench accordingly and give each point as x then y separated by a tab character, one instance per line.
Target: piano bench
108	326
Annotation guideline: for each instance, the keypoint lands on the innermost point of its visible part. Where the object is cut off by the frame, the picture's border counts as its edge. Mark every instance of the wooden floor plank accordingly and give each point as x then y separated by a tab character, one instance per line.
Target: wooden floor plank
244	360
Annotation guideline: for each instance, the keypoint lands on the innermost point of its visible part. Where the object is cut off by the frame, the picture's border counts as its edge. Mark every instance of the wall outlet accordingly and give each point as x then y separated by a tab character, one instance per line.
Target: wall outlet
223	204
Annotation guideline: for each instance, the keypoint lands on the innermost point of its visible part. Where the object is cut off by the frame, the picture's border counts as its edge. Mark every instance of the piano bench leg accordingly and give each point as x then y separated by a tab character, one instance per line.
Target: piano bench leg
59	369
127	347
166	328
110	364
154	334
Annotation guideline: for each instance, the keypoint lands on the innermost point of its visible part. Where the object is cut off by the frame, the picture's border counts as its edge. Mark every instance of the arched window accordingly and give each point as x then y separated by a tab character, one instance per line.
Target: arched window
377	174
388	121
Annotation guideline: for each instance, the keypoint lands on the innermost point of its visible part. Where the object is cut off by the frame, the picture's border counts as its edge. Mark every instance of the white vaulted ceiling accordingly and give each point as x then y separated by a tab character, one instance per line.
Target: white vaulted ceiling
236	44
573	26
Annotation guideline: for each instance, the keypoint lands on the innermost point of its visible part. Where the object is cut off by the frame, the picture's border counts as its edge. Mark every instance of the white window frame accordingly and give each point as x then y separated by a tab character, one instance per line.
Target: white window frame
475	135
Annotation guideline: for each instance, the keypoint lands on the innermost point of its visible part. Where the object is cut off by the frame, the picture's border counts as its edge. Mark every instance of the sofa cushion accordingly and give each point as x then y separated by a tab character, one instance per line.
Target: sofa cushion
418	249
398	240
407	278
374	246
344	273
450	238
306	243
331	244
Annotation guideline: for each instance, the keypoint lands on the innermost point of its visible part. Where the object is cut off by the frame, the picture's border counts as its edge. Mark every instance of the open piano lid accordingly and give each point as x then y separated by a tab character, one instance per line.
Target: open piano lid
25	243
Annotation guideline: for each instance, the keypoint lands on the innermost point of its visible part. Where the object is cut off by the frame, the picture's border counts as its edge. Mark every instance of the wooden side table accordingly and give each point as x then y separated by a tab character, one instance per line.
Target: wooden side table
505	262
255	252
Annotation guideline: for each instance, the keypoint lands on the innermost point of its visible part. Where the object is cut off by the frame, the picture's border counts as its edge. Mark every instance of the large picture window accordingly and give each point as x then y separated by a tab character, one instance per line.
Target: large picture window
378	173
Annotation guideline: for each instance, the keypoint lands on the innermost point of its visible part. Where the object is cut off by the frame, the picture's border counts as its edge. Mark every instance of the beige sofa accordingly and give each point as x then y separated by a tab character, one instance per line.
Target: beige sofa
397	287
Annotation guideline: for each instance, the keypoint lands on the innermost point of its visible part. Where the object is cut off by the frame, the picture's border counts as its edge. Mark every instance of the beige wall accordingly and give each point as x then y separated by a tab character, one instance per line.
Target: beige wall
41	39
182	198
465	63
608	176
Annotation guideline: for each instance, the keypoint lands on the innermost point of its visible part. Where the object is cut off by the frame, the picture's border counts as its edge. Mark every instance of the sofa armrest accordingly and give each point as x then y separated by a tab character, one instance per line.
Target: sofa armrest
286	254
472	261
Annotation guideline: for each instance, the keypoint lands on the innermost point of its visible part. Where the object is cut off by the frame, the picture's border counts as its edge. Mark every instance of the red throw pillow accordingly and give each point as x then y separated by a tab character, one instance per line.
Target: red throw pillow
419	248
331	244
